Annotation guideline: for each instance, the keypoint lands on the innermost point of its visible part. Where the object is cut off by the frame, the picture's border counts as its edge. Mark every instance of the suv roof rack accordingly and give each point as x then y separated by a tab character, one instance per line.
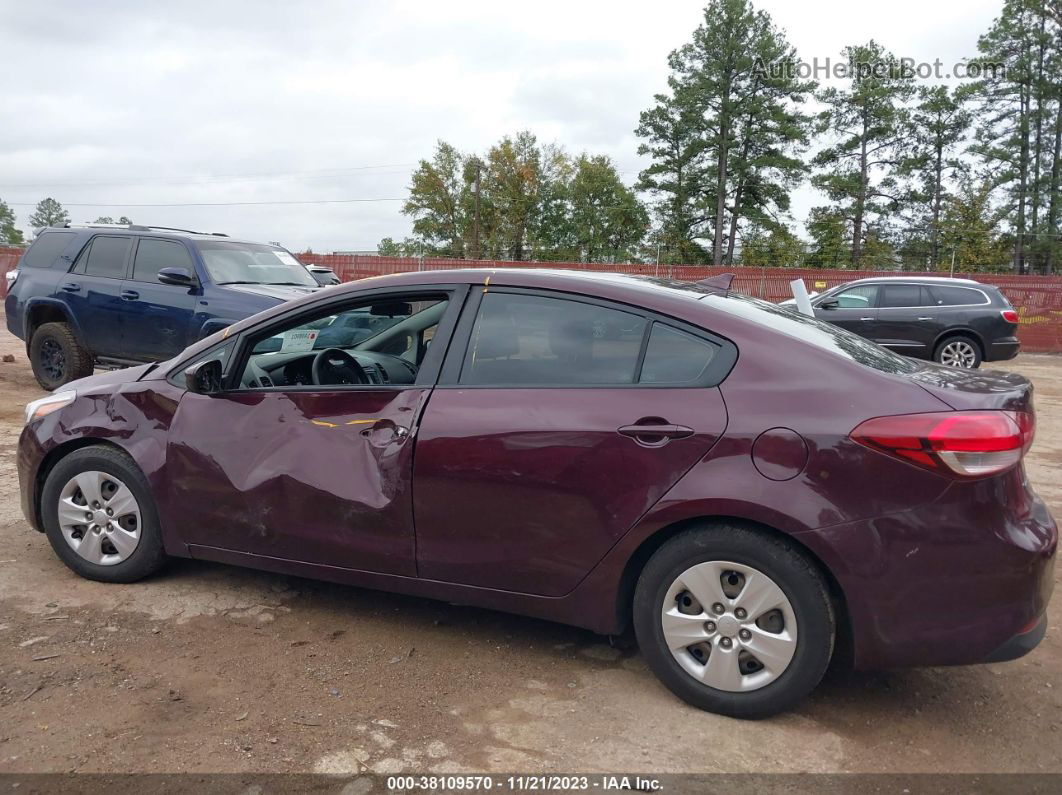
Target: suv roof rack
140	228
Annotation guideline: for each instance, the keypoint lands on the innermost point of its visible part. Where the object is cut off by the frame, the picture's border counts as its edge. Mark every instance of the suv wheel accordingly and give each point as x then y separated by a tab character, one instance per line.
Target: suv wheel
958	352
734	621
57	357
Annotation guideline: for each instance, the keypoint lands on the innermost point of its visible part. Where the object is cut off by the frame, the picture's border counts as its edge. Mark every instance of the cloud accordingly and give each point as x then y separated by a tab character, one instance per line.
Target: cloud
237	101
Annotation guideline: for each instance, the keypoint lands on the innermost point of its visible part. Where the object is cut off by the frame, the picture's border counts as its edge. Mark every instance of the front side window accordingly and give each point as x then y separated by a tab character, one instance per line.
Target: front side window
533	340
375	341
105	256
231	262
153	255
862	297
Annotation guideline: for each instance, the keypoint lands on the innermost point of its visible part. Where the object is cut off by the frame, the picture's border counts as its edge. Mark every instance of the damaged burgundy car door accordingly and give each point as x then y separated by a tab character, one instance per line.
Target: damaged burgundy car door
317	474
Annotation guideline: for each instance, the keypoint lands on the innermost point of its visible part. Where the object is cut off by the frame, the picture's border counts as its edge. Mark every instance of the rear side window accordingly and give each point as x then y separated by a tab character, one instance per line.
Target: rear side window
955	296
105	256
533	340
901	295
675	357
46	248
152	255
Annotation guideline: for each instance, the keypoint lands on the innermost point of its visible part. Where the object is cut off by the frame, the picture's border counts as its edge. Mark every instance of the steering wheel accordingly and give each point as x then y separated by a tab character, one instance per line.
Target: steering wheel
336	366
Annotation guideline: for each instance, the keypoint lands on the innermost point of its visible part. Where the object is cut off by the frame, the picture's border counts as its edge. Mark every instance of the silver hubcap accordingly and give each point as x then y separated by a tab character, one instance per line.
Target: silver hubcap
729	626
958	353
99	518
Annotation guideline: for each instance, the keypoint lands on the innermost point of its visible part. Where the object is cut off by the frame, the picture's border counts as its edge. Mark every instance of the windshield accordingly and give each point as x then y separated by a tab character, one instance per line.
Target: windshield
816	332
229	262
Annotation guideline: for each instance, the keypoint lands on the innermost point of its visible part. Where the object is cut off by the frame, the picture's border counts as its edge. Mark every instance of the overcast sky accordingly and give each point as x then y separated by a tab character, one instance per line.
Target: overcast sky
142	103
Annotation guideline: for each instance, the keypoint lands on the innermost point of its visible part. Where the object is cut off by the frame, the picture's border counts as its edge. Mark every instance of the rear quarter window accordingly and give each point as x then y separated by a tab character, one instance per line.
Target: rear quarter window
956	296
46	248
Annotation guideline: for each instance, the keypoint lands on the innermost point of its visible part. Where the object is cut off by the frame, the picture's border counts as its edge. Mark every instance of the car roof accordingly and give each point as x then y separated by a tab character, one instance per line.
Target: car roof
916	280
154	231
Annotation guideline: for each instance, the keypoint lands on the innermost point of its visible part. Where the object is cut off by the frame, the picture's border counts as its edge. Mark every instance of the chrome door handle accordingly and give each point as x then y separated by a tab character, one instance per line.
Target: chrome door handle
866	318
130	295
925	318
71	287
655	435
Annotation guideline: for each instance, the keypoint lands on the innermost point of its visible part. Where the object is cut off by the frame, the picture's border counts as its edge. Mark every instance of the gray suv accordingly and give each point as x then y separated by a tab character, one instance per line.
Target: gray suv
957	322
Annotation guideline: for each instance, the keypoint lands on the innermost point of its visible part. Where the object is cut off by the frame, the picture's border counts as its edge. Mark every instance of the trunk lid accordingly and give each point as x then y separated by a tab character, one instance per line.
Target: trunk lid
966	390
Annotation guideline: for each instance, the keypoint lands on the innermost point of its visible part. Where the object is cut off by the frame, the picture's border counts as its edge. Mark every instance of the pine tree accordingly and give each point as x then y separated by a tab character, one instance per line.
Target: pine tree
49	212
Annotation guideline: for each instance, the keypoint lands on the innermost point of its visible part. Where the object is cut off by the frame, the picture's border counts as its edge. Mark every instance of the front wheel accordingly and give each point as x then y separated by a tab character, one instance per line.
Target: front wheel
734	621
100	517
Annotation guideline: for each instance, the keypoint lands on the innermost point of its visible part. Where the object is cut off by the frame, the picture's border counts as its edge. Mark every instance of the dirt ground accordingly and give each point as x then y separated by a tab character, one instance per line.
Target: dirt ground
215	669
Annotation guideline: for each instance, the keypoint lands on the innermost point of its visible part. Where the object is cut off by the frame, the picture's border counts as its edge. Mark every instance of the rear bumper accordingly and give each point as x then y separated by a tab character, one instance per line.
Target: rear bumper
1021	644
1003	349
956	582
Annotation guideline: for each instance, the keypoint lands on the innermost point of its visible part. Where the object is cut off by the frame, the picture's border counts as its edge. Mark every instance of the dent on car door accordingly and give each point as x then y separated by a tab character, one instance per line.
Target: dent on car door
316	474
540	449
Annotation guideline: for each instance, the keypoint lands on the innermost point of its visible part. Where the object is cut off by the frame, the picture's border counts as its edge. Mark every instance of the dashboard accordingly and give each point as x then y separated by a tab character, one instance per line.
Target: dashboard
267	370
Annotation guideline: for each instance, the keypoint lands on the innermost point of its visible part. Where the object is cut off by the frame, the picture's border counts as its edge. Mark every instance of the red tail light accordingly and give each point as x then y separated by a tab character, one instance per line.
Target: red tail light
970	444
1009	315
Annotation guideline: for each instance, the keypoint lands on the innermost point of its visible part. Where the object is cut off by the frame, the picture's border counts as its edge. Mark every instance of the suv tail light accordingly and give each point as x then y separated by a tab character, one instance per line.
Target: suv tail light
970	444
1009	315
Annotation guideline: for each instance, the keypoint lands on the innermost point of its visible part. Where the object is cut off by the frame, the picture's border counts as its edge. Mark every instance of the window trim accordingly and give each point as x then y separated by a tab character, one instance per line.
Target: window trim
427	374
925	285
132	262
86	252
714	374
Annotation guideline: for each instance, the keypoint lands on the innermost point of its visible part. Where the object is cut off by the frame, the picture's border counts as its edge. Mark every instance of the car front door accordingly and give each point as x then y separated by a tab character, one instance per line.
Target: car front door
158	317
303	472
546	442
853	309
92	290
907	322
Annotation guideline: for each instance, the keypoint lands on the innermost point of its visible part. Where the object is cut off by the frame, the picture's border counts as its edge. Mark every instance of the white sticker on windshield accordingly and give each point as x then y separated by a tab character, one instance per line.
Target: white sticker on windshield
286	258
298	340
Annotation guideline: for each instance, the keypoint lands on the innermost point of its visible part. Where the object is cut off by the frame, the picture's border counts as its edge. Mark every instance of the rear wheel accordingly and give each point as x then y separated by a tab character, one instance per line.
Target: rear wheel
958	352
57	357
734	621
100	517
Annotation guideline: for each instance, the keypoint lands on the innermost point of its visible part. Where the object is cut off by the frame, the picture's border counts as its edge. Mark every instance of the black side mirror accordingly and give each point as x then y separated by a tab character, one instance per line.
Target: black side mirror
832	304
204	378
176	276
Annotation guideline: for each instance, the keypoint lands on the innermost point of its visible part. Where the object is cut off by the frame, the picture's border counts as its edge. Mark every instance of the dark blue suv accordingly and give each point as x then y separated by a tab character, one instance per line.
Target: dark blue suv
116	295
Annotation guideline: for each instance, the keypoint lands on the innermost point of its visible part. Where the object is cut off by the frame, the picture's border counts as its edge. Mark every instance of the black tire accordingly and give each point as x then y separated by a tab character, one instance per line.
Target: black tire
791	570
149	555
967	344
57	357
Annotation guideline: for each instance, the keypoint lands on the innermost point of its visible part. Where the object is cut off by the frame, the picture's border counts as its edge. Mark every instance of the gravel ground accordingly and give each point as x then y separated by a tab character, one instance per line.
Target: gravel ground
214	669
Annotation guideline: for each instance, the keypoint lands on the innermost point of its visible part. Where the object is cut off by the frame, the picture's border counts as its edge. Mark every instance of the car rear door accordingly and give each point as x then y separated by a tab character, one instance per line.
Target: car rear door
907	322
158	317
545	442
92	290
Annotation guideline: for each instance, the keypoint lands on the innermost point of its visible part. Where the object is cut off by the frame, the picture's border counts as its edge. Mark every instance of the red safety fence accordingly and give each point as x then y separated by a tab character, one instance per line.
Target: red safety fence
1038	299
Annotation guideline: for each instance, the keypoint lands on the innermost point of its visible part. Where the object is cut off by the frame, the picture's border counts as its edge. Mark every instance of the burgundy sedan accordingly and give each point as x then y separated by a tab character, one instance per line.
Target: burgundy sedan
747	487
